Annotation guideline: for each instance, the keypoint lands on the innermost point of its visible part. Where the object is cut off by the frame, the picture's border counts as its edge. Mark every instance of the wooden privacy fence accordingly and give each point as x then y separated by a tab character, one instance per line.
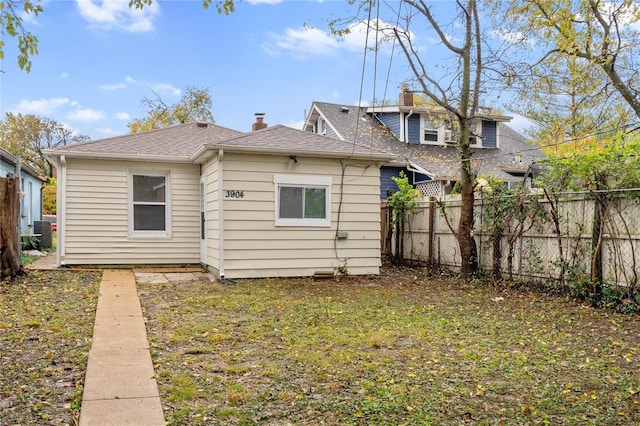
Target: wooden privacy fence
571	236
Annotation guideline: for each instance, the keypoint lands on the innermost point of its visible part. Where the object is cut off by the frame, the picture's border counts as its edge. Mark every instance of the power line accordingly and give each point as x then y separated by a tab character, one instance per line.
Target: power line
550	145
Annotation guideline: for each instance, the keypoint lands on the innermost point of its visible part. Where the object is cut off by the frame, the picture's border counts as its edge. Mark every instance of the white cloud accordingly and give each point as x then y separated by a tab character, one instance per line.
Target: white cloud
159	88
513	37
123	116
162	88
40	106
302	43
64	76
307	42
295	124
107	131
86	114
520	123
115	86
109	14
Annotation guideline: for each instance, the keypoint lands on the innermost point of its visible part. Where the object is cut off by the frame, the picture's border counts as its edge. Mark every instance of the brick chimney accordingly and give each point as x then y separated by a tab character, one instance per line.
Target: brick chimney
259	124
406	97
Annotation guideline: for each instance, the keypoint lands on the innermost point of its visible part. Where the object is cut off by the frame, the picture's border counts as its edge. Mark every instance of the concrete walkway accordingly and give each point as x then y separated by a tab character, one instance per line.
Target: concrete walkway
120	387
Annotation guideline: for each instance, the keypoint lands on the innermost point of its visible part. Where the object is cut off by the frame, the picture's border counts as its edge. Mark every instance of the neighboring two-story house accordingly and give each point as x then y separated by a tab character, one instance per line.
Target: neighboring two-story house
422	141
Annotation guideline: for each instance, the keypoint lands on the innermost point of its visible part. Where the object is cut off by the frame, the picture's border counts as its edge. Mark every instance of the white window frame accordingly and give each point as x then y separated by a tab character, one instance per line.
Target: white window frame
167	204
475	141
435	129
303	181
322	126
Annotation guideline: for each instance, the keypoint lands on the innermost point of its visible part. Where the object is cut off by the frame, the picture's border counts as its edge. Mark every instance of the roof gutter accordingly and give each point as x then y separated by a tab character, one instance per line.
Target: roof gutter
61	211
108	156
412	167
405	132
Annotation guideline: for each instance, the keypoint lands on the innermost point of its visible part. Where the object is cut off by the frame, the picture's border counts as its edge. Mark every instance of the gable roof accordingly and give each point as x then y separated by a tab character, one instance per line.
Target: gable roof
286	140
10	159
174	143
190	142
353	123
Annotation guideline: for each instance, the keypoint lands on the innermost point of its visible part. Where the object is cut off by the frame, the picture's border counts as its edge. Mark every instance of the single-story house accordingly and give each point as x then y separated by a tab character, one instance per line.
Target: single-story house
420	140
31	185
274	202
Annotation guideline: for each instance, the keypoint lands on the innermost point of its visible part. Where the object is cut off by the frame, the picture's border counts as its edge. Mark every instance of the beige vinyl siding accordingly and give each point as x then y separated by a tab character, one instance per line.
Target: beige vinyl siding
255	247
97	215
211	172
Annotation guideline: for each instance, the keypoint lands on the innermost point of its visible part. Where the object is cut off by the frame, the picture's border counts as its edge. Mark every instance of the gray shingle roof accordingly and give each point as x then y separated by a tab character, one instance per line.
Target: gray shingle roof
287	139
172	142
514	154
182	142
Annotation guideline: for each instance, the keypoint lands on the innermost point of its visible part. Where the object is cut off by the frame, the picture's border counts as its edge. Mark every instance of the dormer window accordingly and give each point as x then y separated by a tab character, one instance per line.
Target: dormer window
475	133
321	127
433	131
430	131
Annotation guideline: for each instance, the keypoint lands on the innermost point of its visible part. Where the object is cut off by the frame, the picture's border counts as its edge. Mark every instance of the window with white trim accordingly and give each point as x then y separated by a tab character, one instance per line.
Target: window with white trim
303	200
430	131
149	208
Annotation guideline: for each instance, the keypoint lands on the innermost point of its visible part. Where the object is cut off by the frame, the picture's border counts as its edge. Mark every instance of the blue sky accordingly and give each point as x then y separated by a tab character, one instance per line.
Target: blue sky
98	59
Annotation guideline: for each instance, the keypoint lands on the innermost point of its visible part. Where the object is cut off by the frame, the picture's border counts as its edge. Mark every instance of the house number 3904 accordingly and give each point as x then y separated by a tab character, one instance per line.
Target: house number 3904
234	194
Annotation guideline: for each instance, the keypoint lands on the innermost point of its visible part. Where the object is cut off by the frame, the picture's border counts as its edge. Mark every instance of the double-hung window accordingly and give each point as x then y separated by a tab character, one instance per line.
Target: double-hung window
149	204
430	131
303	200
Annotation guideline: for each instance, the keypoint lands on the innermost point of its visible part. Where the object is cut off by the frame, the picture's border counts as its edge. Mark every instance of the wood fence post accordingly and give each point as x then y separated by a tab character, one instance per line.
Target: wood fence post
432	231
10	263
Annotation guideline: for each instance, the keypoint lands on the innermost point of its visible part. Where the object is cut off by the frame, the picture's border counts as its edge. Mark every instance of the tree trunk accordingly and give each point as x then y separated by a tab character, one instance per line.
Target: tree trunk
468	249
10	264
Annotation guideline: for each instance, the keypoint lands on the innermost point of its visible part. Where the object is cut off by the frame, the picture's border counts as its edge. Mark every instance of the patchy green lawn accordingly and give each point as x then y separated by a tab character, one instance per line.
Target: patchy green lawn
46	323
398	349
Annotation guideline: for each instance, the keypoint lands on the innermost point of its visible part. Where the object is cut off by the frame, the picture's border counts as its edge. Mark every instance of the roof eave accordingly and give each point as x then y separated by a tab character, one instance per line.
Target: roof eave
120	156
378	156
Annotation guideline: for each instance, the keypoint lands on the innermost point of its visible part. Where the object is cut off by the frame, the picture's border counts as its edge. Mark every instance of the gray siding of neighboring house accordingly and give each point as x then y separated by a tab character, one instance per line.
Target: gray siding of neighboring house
489	134
391	120
331	133
387	172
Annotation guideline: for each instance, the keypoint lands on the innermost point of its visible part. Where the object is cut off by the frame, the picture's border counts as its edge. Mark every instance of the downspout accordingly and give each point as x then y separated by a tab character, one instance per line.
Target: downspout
61	212
406	126
221	213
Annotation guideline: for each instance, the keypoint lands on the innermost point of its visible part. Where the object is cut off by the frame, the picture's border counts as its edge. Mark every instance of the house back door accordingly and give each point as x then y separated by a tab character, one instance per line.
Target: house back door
203	221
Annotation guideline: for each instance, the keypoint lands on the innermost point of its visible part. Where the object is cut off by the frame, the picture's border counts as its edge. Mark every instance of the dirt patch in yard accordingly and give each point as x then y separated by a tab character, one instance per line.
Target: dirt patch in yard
402	348
46	324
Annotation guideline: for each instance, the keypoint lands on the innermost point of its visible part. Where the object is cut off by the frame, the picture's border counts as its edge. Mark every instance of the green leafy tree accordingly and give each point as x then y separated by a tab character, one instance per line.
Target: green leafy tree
457	94
12	15
194	105
598	167
452	84
402	203
27	136
598	36
49	197
508	214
